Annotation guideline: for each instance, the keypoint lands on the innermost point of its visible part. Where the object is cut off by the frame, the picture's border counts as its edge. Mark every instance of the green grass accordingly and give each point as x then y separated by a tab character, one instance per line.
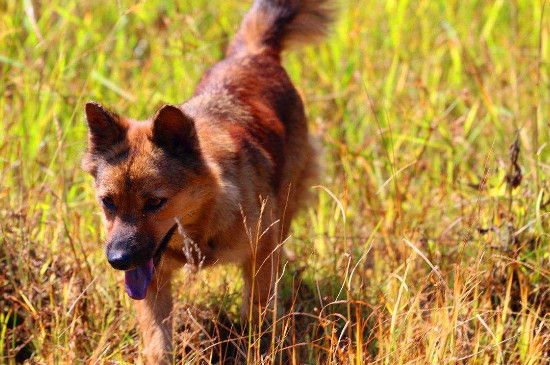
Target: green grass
438	259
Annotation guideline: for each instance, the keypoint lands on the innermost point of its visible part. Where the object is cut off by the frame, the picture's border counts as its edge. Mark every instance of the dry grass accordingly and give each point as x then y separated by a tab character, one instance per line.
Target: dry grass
435	251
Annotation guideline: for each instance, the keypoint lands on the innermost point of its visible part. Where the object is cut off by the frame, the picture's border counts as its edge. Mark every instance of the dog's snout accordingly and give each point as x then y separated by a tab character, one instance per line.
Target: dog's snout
119	259
125	251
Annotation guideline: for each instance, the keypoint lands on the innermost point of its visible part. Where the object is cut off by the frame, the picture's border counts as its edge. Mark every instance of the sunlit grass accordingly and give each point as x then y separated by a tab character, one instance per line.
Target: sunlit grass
438	259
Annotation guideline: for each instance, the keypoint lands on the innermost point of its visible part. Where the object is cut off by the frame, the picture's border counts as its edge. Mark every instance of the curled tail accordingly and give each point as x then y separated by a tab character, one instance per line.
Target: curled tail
275	25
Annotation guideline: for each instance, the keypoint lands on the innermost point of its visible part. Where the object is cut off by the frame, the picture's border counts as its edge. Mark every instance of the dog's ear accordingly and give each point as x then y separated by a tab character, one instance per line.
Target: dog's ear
105	128
174	131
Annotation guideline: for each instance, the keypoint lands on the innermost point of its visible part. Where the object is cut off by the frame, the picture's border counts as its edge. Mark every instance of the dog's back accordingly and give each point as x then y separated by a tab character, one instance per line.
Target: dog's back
248	102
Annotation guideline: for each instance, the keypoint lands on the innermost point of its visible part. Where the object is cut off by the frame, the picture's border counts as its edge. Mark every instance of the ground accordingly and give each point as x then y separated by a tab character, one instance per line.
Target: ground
427	241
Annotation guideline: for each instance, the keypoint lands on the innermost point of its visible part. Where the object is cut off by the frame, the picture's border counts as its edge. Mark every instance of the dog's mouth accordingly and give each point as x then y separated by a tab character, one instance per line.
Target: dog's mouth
137	280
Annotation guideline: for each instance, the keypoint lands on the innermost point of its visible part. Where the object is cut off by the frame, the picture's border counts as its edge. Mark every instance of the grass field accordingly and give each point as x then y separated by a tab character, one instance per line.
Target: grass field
428	242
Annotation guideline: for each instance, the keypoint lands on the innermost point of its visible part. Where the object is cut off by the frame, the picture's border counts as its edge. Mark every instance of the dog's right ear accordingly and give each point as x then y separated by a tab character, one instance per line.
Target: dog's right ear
174	131
105	128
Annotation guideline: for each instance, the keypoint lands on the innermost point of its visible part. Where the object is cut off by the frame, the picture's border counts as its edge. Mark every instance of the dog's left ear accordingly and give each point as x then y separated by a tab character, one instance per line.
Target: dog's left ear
174	131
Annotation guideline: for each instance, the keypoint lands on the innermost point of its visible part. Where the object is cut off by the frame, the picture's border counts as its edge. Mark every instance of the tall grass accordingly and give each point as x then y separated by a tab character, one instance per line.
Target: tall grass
428	240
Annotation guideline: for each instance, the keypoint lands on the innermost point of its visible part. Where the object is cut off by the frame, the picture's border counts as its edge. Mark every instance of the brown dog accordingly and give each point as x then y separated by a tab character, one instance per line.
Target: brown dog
216	179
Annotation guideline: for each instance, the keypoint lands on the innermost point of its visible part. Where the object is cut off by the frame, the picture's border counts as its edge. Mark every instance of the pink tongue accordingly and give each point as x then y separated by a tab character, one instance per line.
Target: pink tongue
138	279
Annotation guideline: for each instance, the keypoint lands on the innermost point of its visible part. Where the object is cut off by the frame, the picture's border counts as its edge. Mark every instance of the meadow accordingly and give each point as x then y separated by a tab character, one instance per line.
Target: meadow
427	241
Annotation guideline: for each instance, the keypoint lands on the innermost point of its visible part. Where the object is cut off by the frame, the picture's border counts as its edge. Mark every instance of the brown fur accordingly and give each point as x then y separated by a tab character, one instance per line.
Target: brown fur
233	163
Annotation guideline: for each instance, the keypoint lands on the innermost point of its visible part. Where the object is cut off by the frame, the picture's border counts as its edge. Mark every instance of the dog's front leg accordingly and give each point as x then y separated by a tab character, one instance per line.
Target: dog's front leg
259	273
154	320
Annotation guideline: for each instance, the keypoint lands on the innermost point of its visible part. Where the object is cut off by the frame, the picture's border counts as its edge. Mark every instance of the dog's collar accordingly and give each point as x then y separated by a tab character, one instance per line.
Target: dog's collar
164	243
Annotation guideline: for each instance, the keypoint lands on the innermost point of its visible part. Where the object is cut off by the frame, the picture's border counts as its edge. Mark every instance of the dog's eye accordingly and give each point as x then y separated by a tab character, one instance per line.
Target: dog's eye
153	204
108	202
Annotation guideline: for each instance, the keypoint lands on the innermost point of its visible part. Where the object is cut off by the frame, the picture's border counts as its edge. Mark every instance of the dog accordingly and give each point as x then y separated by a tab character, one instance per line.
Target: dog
215	180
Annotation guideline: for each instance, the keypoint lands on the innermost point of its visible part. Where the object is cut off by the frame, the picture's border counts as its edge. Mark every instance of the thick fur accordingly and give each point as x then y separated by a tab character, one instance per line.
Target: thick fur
233	165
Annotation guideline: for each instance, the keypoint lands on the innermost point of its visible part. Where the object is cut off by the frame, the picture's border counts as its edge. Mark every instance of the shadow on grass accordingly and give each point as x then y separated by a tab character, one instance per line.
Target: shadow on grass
307	329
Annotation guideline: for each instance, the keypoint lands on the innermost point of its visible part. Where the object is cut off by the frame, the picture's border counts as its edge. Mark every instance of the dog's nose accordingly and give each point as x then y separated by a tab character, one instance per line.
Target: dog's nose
119	259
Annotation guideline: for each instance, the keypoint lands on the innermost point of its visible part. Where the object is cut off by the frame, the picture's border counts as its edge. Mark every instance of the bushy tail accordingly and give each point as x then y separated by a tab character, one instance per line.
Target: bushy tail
276	25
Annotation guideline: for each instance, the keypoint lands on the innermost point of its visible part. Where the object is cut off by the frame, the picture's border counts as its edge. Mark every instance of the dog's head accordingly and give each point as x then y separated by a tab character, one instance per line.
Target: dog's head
148	175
